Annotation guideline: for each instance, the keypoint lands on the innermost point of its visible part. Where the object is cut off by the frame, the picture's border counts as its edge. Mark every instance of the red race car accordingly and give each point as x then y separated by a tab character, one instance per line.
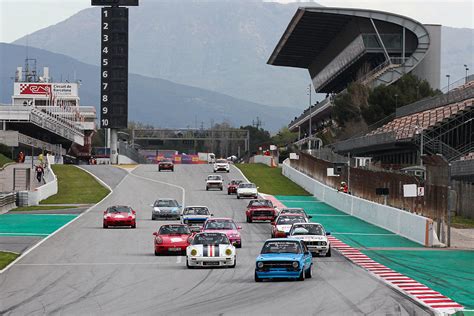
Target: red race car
260	210
232	187
172	239
120	215
166	164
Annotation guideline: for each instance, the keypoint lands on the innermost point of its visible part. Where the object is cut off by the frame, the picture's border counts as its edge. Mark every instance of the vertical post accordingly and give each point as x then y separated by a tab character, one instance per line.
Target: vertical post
403	46
449	206
310	119
32	157
349	172
448	76
113	146
421	148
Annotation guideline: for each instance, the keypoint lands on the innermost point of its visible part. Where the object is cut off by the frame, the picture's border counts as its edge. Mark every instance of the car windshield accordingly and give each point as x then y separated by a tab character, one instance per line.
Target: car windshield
210	239
247	185
261	203
281	247
196	211
288	220
292	211
308	229
221	161
236	182
220	225
166	203
119	209
214	178
174	229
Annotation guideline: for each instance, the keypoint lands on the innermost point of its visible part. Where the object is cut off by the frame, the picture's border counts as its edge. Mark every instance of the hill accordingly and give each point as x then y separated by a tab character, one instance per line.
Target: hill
154	101
220	45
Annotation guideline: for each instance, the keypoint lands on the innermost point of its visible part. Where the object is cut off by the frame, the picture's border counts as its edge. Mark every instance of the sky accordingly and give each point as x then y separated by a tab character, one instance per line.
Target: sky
21	17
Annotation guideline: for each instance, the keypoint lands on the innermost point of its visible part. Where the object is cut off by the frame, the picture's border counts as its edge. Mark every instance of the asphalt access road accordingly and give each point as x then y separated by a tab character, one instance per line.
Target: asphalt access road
86	270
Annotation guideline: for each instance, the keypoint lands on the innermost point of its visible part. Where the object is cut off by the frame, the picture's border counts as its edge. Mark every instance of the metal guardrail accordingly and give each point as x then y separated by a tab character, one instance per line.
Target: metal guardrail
7	198
364	141
315	110
453	96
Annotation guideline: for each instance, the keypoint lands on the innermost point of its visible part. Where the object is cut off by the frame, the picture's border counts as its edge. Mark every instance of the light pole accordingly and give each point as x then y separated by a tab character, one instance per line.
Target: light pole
467	69
448	76
310	119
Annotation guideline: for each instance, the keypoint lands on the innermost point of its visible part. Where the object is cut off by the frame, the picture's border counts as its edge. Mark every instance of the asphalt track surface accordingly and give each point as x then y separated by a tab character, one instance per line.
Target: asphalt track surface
86	270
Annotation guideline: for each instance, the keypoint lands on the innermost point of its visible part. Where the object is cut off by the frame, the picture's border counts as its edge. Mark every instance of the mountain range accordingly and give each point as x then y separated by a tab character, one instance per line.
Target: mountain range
154	101
219	45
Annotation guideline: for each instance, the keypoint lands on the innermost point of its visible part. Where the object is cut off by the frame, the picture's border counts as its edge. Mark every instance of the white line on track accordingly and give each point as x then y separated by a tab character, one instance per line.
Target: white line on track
75	264
165	183
68	223
365	234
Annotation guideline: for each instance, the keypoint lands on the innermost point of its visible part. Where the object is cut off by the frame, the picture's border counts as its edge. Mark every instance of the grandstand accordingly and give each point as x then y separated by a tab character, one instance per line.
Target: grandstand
438	125
340	45
46	116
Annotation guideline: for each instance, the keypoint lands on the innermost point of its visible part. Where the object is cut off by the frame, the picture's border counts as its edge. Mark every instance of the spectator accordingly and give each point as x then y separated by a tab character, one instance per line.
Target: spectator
21	157
41	159
39	172
343	188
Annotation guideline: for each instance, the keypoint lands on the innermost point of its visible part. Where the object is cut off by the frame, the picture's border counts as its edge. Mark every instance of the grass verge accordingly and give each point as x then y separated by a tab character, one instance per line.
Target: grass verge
4	160
75	186
6	258
462	222
41	208
270	180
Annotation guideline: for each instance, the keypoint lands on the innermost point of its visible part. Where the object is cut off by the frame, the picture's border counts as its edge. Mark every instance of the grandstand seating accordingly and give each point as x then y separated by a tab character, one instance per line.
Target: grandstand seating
406	127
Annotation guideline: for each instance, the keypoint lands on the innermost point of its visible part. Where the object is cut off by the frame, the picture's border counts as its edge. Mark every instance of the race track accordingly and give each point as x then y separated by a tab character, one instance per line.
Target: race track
86	270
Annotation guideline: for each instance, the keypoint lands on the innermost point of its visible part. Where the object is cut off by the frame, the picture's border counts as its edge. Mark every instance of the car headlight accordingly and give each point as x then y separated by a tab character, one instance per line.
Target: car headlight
194	252
260	264
228	252
295	264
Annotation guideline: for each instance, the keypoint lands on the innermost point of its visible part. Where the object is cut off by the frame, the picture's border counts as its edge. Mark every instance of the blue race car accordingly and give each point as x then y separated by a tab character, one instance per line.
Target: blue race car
284	258
195	216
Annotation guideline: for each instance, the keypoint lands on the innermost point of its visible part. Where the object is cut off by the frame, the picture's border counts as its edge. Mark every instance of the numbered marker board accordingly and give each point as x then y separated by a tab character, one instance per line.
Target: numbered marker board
114	68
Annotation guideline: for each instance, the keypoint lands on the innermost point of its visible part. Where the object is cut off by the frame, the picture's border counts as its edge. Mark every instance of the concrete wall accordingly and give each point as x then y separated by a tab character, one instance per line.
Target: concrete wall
430	67
49	188
267	160
411	226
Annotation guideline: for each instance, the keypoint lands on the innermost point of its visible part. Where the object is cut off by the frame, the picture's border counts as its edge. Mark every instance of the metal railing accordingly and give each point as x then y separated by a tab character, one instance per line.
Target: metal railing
7	198
364	141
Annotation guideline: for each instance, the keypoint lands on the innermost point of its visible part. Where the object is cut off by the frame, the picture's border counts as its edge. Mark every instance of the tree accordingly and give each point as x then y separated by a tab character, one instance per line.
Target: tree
348	105
258	137
284	137
384	100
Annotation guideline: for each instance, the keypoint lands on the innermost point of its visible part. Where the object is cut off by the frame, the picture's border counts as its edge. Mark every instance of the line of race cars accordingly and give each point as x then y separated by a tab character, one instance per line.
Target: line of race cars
209	241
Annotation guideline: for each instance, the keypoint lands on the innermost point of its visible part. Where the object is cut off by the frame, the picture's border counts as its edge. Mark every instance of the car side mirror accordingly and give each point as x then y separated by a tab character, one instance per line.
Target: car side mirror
309	216
212	214
258	187
328	233
134	213
155	234
151	205
239	227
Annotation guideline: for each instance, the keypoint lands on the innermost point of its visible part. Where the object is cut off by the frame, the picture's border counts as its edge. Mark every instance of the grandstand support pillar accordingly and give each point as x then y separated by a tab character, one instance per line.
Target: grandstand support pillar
381	42
113	146
403	47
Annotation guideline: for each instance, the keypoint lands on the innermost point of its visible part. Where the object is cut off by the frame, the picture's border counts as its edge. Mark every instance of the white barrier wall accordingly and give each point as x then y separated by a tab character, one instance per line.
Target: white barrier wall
267	160
49	188
411	226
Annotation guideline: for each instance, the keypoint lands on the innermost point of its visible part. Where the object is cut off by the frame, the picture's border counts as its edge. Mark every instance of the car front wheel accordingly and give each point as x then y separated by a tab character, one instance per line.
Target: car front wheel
309	272
328	254
302	275
188	265
257	279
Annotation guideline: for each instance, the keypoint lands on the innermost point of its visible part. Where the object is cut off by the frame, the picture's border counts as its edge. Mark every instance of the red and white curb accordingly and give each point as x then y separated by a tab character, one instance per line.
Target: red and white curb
419	292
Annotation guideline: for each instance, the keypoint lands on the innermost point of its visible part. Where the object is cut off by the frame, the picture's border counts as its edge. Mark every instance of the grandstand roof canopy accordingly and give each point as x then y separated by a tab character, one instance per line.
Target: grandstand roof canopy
313	28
